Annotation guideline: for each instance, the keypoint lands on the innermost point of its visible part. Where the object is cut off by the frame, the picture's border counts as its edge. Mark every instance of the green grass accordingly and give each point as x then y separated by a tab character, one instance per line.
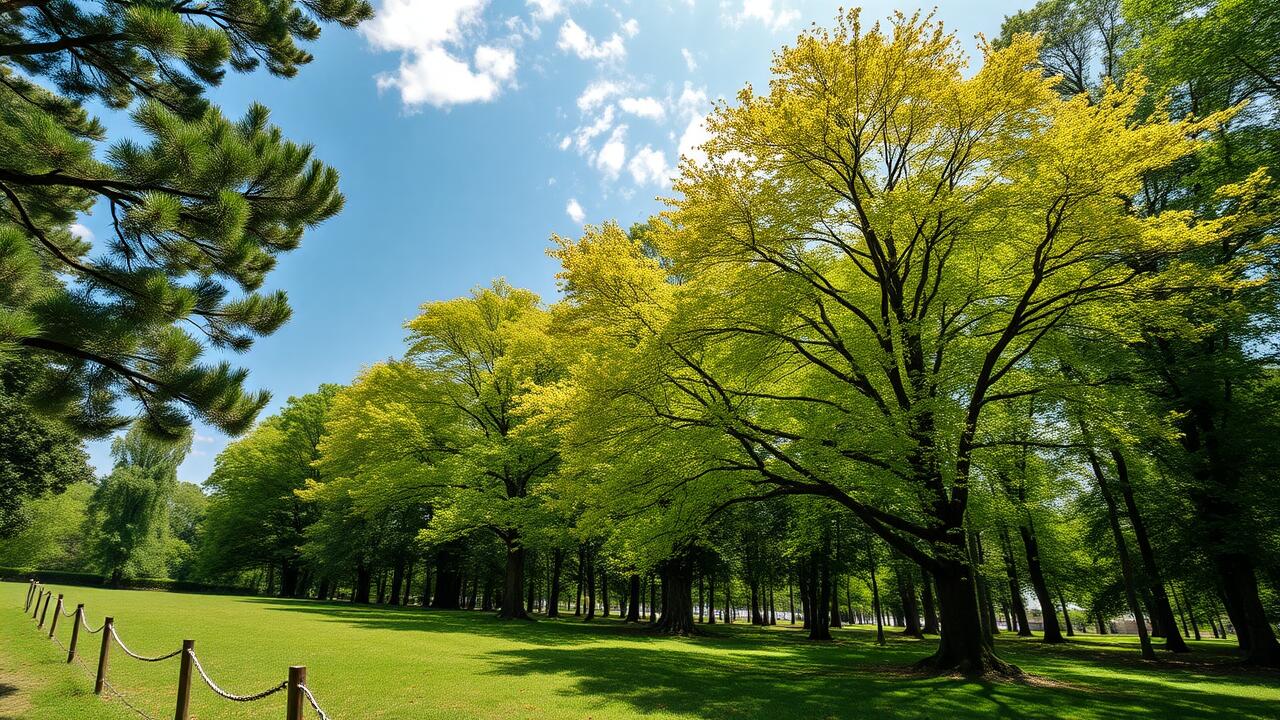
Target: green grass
410	663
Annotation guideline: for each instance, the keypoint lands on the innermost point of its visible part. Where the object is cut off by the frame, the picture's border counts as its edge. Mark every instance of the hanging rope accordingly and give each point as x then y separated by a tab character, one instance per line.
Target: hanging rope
312	699
88	629
229	696
136	656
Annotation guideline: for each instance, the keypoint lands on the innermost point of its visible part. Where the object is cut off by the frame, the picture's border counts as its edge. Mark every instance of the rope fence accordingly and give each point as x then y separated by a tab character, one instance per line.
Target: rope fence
37	603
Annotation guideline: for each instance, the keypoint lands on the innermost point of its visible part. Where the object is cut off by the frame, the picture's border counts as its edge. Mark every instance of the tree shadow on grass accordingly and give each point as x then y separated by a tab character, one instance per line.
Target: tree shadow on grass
746	672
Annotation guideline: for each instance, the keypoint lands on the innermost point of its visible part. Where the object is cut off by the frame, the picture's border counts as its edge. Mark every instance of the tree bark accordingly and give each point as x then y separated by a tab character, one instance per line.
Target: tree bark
513	585
397	580
553	598
1052	631
1015	587
448	590
364	581
930	611
633	602
1122	549
907	596
677	597
1162	614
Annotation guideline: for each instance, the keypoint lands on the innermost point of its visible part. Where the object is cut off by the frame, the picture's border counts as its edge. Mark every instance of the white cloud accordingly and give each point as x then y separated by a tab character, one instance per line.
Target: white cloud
689	60
80	231
764	11
576	40
202	438
631	27
596	93
545	9
649	166
613	155
432	36
692	101
645	107
497	62
584	135
575	211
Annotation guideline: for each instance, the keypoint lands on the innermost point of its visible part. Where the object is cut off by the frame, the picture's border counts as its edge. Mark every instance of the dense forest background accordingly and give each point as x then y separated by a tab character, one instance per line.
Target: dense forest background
978	351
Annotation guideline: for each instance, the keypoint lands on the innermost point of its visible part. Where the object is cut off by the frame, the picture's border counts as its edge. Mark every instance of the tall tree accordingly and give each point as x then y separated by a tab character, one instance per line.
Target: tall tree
872	251
128	518
255	516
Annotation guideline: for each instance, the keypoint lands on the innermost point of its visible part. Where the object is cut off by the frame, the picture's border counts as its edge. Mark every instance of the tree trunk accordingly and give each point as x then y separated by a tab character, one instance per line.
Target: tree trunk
1015	587
711	599
1162	614
1066	616
875	592
288	578
448	591
677	597
930	611
553	598
364	580
1052	631
397	580
513	585
907	596
964	645
1122	549
590	587
604	591
820	591
633	602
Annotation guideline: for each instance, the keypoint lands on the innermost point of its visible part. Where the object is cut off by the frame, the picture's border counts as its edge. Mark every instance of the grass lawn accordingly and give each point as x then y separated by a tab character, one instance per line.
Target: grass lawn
411	663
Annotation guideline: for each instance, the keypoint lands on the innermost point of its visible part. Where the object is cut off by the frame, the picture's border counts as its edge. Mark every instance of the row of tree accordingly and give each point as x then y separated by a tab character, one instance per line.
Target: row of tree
973	336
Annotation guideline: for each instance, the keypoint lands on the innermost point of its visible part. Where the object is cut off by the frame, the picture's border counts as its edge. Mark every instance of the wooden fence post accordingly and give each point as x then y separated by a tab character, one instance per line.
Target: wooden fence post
293	705
75	632
36	609
57	613
44	614
102	657
31	588
183	711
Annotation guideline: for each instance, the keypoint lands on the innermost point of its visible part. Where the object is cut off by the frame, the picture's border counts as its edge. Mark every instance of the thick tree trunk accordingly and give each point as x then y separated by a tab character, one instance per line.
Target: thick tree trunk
1052	631
633	603
964	645
364	581
448	590
677	597
513	585
553	598
907	596
1162	614
322	592
397	580
1244	607
288	578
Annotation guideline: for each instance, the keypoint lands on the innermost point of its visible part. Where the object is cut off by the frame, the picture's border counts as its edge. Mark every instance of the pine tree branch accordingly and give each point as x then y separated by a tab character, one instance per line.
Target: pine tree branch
53	46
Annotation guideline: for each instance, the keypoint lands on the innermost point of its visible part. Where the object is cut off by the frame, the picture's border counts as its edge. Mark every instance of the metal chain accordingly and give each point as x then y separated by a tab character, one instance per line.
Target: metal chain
229	696
312	699
136	656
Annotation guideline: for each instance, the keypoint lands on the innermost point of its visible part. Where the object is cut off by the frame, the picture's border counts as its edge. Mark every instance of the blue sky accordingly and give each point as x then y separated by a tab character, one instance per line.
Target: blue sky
468	131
